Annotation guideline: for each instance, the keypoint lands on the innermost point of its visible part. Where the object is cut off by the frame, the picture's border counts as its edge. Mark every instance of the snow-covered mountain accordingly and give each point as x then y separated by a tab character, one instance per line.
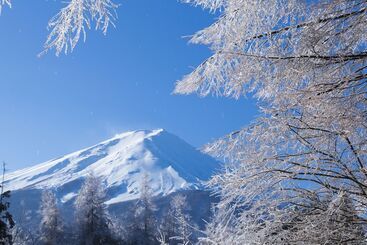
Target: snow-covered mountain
121	162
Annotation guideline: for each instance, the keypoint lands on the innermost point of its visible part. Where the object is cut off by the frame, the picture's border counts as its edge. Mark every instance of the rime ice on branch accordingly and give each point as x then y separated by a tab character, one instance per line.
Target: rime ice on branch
4	3
71	23
306	63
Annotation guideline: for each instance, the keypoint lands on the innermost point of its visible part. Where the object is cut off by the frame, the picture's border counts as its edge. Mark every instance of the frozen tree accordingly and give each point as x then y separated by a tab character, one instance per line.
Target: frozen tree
181	221
91	214
51	227
332	223
118	227
166	227
305	62
325	221
340	217
22	232
218	231
144	214
23	236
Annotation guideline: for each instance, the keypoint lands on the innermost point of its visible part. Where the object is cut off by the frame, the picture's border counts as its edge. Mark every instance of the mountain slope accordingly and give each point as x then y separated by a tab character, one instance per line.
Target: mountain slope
121	162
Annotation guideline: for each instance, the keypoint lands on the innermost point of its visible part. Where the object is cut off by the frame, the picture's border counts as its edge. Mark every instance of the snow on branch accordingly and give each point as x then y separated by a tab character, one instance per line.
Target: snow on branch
212	5
104	13
71	23
252	37
67	27
306	66
3	3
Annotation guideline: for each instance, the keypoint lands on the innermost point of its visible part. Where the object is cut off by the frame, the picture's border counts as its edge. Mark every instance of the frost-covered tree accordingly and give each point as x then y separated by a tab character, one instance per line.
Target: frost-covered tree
332	223
91	213
305	62
145	222
182	228
166	227
340	225
51	227
184	223
23	232
320	221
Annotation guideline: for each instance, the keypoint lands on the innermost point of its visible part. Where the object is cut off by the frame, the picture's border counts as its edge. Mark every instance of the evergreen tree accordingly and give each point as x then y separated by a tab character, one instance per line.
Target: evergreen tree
6	219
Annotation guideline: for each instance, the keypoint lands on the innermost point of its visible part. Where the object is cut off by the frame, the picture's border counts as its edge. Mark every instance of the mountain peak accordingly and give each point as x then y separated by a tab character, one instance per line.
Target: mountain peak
171	163
142	132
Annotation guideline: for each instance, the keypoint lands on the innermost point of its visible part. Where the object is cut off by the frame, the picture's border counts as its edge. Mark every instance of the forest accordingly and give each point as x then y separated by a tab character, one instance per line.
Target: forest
93	224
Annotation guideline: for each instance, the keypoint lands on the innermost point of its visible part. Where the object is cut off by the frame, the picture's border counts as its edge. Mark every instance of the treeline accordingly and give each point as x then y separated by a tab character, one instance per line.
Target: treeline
93	224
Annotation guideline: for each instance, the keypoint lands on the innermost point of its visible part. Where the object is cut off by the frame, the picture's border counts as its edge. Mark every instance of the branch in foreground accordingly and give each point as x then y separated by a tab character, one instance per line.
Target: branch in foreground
3	3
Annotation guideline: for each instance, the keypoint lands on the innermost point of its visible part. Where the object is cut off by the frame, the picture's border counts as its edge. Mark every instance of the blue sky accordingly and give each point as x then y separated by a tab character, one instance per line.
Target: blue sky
51	106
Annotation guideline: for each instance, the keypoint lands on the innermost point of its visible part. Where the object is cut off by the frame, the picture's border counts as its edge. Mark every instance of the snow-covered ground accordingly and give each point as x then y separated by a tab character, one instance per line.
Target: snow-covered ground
121	162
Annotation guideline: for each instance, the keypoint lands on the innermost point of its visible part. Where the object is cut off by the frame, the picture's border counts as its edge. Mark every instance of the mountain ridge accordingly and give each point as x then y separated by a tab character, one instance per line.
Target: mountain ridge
171	163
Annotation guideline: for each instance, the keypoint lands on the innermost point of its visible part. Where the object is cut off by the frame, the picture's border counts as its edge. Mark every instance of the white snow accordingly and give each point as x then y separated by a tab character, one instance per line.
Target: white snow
121	162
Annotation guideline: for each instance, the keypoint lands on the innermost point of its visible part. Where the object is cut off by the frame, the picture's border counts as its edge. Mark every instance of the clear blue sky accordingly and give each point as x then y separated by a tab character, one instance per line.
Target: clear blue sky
123	81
